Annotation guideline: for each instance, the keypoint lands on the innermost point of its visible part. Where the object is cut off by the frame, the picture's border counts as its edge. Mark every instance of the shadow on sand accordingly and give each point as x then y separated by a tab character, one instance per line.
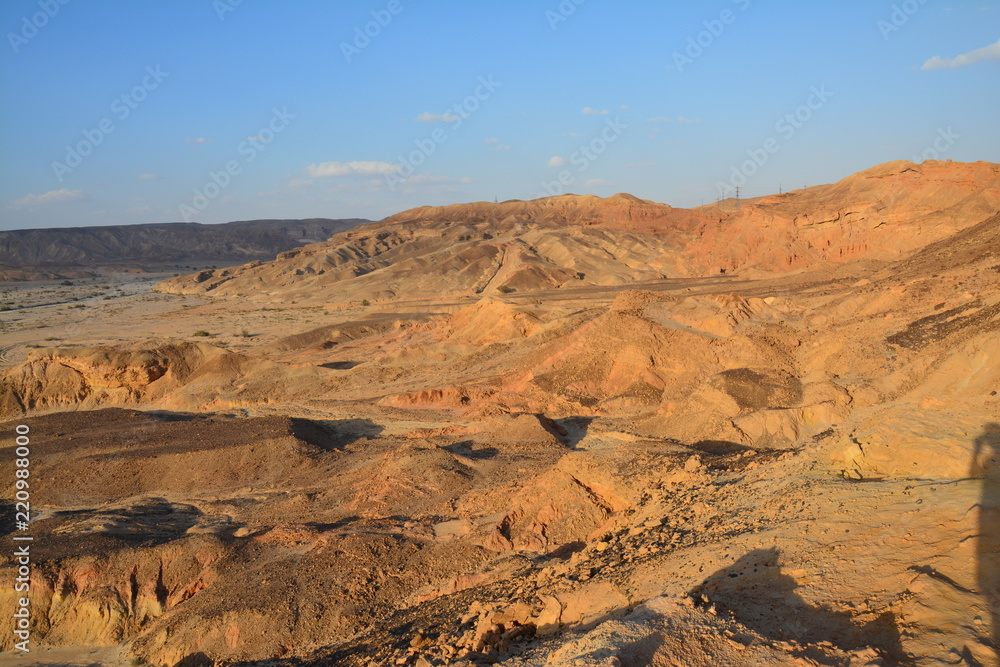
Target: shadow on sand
986	467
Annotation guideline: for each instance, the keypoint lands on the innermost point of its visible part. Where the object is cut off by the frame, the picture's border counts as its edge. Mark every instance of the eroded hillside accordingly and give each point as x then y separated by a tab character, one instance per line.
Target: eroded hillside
763	468
881	214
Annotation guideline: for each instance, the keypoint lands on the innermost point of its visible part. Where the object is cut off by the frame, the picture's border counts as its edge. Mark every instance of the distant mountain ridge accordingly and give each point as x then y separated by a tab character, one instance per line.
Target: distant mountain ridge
47	253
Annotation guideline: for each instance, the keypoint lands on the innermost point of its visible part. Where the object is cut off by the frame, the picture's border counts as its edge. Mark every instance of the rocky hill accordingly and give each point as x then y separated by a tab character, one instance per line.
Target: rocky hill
883	214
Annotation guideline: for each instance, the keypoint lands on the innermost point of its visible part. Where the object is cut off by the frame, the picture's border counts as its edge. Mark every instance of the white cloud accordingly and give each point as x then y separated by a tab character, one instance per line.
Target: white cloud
682	119
326	169
596	182
991	52
199	140
51	197
624	107
594	112
148	177
659	119
492	140
557	161
428	117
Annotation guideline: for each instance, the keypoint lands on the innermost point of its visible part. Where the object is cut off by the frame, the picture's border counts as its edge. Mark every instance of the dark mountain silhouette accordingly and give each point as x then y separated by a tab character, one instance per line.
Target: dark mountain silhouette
49	253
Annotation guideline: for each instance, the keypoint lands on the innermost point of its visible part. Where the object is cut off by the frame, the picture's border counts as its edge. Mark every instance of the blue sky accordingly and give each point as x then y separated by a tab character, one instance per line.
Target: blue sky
119	111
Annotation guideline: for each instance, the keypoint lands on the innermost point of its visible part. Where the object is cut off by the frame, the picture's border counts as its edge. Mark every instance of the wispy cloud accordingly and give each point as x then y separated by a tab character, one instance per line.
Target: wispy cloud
428	117
199	140
497	146
425	178
667	119
148	177
557	161
596	183
595	112
373	185
426	184
991	52
50	197
371	168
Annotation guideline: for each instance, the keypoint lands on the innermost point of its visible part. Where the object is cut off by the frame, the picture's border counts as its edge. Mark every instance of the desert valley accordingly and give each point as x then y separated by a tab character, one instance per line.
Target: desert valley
568	431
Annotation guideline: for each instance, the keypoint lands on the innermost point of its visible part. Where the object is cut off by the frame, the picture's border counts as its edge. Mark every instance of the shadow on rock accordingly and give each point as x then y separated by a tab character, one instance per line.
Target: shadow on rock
467	449
6	518
334	434
148	522
196	660
757	593
341	365
720	447
571	430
